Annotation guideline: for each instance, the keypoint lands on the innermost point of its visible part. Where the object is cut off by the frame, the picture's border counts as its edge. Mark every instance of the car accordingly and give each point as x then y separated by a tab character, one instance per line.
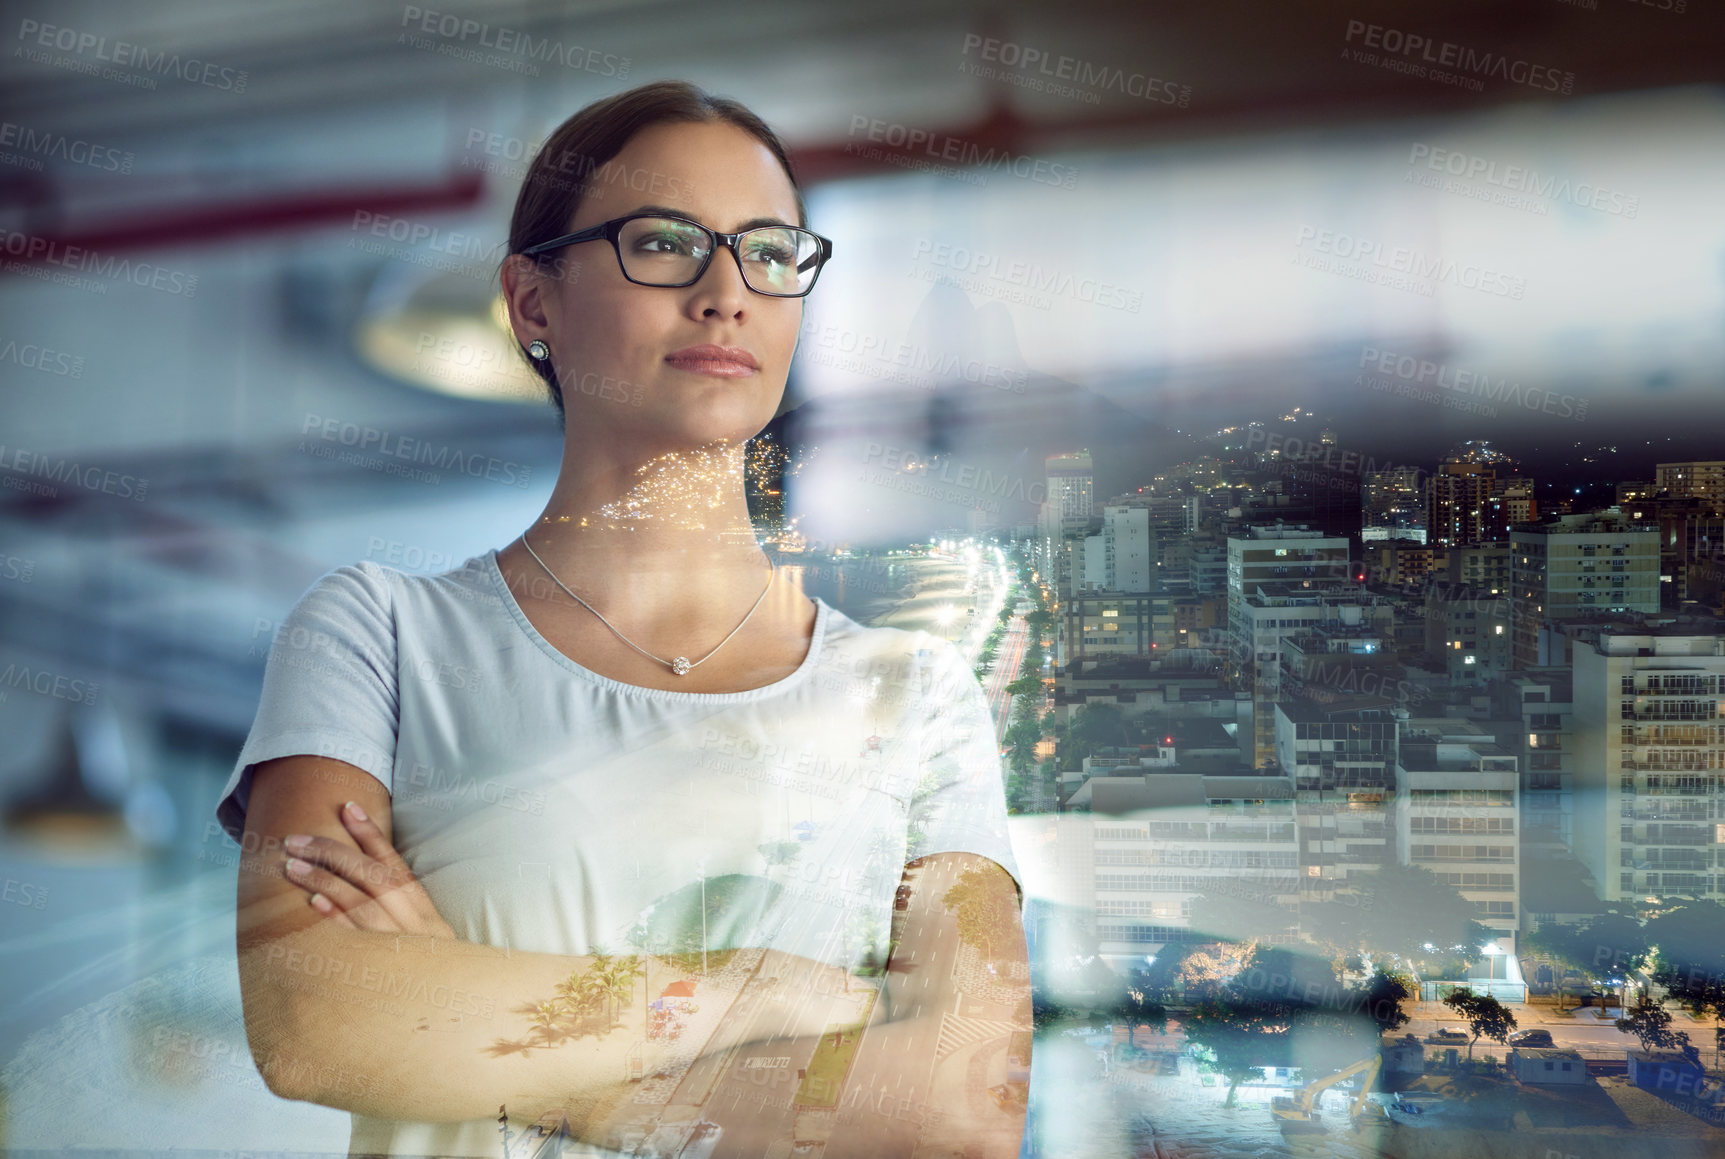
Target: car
1531	1038
1417	1102
1447	1035
901	899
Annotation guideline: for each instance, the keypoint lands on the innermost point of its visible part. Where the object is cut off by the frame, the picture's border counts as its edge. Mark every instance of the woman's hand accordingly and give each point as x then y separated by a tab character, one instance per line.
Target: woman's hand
369	888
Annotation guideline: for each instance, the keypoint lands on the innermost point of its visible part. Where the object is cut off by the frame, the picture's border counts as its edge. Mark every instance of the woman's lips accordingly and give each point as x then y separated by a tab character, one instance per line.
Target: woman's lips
720	361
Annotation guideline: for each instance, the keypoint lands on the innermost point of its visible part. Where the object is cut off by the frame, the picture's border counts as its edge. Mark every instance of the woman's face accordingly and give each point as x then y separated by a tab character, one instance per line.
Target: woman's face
627	356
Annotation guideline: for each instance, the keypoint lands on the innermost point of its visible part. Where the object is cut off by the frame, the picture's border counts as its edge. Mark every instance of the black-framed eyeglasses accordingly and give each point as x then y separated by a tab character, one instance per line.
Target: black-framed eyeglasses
780	261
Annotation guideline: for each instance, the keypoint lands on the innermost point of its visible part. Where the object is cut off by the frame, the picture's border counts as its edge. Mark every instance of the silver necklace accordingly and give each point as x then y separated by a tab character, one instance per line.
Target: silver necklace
682	665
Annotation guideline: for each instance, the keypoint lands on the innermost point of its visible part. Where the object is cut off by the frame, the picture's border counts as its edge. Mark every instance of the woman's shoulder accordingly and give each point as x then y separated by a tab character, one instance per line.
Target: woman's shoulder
465	580
907	649
368	589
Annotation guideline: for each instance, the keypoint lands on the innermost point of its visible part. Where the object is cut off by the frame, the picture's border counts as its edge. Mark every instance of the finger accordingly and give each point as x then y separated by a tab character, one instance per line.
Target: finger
330	910
400	889
369	836
393	887
343	896
346	862
387	876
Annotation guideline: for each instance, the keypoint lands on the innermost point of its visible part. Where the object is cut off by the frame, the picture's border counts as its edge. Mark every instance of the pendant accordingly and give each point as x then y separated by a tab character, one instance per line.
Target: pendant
681	666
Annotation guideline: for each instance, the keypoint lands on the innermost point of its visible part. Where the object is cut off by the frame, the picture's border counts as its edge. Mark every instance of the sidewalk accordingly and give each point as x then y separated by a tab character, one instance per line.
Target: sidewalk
714	995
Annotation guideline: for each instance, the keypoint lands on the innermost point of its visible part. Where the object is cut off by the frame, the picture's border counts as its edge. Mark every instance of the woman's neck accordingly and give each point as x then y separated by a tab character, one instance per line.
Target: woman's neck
669	538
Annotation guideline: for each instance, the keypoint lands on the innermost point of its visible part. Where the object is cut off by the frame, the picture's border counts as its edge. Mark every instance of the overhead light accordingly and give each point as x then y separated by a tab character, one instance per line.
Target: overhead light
444	332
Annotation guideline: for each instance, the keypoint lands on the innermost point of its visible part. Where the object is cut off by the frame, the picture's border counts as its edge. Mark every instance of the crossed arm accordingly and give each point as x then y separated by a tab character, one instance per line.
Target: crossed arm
359	996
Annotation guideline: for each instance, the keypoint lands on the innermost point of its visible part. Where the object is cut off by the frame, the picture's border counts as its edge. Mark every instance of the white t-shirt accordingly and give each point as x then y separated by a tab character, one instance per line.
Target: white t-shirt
547	808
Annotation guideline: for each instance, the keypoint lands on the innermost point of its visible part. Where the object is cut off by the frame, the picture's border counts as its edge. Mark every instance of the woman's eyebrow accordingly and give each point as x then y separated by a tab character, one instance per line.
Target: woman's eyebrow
667	211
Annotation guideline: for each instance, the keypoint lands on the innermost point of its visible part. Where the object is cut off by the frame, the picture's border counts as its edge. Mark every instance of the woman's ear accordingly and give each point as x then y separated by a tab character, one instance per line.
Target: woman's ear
525	291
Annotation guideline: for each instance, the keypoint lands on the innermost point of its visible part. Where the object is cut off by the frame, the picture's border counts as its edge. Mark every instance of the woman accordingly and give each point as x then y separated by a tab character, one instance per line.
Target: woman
583	763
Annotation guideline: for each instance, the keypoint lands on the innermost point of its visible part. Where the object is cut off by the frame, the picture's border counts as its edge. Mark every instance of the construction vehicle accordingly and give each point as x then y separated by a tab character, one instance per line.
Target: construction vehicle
1298	1112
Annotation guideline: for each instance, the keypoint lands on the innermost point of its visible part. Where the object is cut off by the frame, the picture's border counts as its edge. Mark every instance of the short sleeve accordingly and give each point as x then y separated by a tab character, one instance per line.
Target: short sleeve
959	804
329	685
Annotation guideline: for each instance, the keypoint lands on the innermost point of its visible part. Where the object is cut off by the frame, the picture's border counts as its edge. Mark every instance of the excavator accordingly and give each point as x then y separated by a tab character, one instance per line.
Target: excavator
1298	1112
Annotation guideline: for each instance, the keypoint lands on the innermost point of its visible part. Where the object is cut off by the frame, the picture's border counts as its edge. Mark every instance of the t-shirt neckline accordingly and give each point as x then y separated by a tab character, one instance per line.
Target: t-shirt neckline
507	598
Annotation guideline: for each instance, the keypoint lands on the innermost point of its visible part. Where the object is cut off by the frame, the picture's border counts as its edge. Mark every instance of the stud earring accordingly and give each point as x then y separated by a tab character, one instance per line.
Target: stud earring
539	350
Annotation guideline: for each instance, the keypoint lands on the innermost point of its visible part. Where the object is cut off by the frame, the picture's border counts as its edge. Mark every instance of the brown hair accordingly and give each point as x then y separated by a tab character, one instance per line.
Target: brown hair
574	156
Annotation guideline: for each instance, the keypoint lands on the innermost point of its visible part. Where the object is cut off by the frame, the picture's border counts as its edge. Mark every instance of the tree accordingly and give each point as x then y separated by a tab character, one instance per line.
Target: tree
1130	1000
1559	945
1382	999
1205	969
1278	1000
1691	962
1651	1023
1608	946
1485	1016
1617	946
1233	1036
1400	909
614	981
986	913
1301	991
1137	1006
1160	979
779	852
734	906
1024	733
1228	914
1093	726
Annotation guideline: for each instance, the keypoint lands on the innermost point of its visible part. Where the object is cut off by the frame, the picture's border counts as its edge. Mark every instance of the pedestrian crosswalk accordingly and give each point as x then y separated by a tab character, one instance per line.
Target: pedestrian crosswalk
956	1032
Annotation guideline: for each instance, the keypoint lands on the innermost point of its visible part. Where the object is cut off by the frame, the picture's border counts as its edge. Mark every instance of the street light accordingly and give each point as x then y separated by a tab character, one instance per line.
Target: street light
701	868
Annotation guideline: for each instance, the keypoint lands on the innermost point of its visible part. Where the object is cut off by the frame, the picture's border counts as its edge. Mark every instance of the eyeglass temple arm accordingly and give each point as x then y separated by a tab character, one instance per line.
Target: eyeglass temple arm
814	259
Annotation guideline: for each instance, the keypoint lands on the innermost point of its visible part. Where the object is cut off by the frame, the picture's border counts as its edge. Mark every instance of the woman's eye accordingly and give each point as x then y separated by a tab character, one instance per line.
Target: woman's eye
770	253
682	245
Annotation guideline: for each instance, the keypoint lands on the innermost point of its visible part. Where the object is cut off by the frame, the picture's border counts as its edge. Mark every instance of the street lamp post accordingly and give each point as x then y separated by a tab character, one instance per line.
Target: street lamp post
702	870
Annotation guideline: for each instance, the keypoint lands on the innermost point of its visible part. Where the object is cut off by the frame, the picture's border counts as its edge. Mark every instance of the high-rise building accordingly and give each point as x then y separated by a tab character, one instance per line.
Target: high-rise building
1159	836
1342	757
1691	544
1099	626
1393	505
1576	566
1129	547
1456	502
1401	562
1268	616
1071	486
1541	700
1457	814
1649	728
1470	631
1284	554
1704	480
1475	495
1481	565
1276	555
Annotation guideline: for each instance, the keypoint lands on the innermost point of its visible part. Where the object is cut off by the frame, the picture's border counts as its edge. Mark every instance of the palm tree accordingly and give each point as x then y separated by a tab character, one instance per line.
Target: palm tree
599	979
547	1019
621	982
606	986
575	1001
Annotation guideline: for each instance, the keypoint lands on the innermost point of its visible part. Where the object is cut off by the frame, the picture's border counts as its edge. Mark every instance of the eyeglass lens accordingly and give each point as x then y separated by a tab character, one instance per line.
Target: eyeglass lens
662	251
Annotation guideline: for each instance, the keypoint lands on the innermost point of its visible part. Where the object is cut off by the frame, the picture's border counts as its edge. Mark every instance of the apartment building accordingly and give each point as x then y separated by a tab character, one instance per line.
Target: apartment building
1470	631
1577	566
1649	769
1458	812
1161	839
1542	700
1341	756
1269	615
1702	480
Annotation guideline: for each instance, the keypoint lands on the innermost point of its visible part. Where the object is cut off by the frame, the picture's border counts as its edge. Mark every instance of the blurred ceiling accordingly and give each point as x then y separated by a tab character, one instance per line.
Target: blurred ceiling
249	172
